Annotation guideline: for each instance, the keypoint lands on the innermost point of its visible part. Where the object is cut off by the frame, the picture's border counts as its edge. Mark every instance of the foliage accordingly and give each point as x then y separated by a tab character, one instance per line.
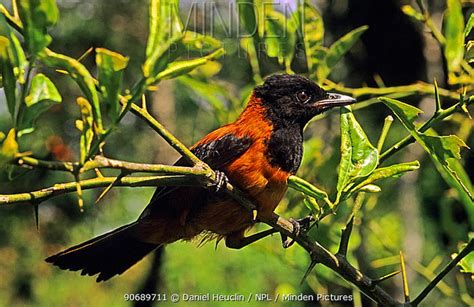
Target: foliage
31	89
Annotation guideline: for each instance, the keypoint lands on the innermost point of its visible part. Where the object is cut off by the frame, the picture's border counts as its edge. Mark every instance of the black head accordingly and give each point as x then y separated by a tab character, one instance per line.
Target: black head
294	99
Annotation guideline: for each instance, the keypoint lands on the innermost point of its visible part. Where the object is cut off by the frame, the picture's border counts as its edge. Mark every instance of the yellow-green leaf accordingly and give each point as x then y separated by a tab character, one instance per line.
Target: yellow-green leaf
81	76
454	33
337	50
42	95
312	204
408	113
36	16
248	16
8	75
14	51
86	125
280	38
165	30
441	149
307	188
111	66
310	27
392	171
178	68
359	157
9	148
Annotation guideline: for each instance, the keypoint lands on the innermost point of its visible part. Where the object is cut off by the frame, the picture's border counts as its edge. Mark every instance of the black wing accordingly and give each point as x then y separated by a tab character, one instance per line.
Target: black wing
222	151
216	154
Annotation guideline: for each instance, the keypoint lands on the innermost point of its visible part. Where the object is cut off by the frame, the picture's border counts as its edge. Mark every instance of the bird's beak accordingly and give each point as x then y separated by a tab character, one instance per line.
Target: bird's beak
333	100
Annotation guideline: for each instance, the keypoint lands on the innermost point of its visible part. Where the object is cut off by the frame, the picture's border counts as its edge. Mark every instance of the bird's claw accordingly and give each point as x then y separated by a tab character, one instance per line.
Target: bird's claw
220	182
299	226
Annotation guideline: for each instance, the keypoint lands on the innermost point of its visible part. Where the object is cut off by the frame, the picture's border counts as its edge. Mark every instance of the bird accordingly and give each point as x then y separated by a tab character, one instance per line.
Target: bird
256	153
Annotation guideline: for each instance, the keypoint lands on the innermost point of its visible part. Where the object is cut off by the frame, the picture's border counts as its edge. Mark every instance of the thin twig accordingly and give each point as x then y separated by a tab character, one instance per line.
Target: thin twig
416	88
385	277
464	252
162	131
426	126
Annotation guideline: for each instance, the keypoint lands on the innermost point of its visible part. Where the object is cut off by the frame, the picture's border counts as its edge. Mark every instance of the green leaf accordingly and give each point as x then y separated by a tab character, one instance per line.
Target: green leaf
248	16
36	16
191	44
280	38
196	42
15	51
342	46
178	68
466	265
310	26
312	205
459	178
12	64
307	188
42	95
164	23
407	113
85	125
111	66
337	50
392	171
359	157
165	30
454	33
469	25
441	149
9	148
8	75
81	76
444	147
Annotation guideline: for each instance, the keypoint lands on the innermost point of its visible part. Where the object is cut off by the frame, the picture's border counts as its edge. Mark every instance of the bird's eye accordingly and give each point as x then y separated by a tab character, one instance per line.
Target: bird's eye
302	96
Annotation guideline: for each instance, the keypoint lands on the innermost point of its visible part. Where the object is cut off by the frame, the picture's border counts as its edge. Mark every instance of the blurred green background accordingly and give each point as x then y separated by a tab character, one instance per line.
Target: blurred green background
418	214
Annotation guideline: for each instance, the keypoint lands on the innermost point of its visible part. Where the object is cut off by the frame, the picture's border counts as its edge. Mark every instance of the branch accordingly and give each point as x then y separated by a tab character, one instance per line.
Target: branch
63	188
100	162
465	251
131	167
416	88
170	138
30	162
440	116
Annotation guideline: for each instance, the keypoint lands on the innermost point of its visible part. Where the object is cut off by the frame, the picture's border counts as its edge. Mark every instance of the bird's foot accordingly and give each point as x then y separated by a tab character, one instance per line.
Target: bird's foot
220	183
299	226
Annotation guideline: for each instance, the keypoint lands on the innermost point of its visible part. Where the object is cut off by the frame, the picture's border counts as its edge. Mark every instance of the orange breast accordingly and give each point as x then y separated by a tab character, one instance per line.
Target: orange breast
264	184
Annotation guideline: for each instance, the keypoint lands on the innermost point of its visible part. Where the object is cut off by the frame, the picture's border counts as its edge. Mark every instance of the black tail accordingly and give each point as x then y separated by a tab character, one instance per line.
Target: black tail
109	254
